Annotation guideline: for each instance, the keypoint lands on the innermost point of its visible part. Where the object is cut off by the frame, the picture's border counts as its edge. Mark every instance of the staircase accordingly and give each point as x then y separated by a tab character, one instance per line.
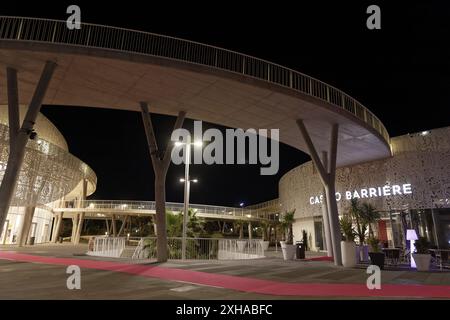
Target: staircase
128	252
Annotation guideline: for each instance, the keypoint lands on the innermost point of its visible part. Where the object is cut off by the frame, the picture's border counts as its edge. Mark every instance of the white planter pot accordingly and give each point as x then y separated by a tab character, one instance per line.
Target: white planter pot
348	250
422	261
241	245
288	251
265	245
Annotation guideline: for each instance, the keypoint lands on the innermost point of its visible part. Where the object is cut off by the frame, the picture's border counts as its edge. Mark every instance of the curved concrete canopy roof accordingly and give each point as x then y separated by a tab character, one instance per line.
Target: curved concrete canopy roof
105	78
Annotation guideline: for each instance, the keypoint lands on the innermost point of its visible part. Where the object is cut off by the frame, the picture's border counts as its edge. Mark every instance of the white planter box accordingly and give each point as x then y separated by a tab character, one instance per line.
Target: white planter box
288	251
422	261
241	245
265	245
348	250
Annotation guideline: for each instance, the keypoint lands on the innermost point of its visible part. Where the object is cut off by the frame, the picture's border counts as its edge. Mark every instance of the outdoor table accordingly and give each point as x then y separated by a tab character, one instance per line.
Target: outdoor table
439	251
392	255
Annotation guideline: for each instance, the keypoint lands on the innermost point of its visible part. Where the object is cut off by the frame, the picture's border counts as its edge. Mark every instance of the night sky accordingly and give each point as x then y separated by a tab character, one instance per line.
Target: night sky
401	73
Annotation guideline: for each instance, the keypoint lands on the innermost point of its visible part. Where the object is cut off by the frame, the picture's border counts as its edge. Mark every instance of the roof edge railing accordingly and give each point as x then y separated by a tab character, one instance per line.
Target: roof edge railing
114	38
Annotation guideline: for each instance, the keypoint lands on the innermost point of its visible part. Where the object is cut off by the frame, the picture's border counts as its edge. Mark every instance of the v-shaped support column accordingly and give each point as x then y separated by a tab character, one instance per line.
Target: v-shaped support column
325	214
327	176
19	135
160	161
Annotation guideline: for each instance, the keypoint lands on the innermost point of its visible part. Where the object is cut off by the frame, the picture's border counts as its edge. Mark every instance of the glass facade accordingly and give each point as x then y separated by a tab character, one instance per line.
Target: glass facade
433	224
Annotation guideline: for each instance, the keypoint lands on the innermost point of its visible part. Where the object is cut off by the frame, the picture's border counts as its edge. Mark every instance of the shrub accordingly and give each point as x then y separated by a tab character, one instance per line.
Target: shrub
422	245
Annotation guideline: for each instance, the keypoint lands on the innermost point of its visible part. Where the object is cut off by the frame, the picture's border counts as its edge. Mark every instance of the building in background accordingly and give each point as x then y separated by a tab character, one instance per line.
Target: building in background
411	189
49	175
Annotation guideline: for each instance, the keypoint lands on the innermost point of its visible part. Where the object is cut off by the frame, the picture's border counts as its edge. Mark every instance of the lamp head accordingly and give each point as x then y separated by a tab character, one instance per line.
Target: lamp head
411	234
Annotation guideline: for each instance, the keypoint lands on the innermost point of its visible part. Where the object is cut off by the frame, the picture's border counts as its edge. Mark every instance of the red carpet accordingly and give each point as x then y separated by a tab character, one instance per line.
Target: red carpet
322	258
242	283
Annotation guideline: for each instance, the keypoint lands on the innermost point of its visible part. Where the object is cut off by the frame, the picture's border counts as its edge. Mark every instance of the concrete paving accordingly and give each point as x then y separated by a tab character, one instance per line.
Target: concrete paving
24	280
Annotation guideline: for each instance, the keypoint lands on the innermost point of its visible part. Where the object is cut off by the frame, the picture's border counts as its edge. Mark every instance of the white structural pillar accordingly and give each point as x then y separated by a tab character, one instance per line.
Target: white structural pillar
250	230
82	203
75	220
325	215
187	186
19	134
58	227
54	224
161	161
327	176
113	225
24	228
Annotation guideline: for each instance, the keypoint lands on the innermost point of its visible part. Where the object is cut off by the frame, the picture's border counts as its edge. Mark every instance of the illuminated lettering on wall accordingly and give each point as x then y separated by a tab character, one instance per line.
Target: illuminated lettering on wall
367	193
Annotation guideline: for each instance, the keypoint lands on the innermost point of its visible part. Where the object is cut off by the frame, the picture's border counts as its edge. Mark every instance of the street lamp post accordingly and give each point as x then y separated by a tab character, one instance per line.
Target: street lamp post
187	183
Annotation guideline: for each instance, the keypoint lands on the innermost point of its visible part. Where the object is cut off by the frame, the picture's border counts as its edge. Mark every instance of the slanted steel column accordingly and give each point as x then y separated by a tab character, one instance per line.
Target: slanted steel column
113	223
54	224
325	215
18	136
75	220
327	176
58	227
330	189
25	226
124	221
160	161
82	214
79	228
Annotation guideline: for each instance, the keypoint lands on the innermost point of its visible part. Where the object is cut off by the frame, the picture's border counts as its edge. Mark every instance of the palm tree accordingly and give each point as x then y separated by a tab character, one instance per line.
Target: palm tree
174	224
360	220
370	214
239	224
195	225
346	224
286	222
265	225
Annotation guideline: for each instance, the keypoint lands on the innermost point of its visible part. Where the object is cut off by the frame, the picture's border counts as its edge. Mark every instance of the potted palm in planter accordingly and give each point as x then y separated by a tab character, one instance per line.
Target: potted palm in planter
375	254
362	250
240	243
265	235
348	246
422	256
287	246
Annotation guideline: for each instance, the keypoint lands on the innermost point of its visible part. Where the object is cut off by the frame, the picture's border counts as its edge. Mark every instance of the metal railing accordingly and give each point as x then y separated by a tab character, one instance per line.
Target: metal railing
108	247
202	249
120	39
196	248
239	249
149	206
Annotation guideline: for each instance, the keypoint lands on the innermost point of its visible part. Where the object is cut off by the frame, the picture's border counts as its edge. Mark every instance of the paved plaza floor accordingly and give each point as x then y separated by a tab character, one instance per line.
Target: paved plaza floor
39	272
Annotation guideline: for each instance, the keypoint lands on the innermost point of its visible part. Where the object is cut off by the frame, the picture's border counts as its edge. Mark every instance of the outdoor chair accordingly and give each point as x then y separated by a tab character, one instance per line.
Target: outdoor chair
442	259
392	257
